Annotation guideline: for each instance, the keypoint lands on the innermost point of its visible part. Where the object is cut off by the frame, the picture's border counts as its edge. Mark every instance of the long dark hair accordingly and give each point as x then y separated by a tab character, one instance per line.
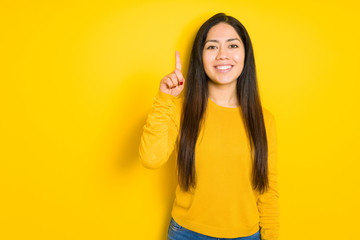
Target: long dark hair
195	103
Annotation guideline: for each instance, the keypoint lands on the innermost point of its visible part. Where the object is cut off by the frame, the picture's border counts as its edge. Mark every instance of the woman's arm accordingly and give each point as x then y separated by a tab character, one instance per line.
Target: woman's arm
268	203
160	131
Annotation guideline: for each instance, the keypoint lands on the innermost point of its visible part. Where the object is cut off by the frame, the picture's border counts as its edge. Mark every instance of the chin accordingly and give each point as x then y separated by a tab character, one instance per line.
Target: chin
222	81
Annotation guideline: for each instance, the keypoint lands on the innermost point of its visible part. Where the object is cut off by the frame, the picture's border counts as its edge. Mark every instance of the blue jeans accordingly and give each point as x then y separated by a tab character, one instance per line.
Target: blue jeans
177	232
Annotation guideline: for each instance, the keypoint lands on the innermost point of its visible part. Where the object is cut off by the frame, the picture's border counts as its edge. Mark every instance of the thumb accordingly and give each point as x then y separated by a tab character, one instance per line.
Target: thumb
179	76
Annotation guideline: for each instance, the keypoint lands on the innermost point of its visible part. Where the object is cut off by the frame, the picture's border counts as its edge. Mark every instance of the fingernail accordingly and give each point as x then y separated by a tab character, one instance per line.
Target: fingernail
181	83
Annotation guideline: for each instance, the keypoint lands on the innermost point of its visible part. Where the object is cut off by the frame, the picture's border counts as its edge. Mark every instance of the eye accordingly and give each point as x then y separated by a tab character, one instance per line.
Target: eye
234	46
210	47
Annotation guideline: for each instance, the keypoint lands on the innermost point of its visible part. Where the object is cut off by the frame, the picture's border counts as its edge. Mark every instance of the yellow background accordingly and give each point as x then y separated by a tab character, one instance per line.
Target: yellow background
78	80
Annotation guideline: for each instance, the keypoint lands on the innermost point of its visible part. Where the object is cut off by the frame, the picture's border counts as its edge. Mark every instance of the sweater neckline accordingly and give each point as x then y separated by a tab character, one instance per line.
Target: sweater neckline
228	109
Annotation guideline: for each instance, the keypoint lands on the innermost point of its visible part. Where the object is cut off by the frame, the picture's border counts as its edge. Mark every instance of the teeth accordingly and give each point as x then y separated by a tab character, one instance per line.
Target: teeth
223	67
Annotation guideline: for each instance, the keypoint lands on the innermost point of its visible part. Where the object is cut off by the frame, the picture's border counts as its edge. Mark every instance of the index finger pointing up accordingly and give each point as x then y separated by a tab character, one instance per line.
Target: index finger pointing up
177	60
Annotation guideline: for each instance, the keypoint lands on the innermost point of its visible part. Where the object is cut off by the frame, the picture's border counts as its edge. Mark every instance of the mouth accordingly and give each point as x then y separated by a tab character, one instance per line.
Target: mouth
223	68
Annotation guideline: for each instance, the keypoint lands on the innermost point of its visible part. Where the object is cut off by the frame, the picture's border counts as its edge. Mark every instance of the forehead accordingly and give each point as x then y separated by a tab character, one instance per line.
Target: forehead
222	31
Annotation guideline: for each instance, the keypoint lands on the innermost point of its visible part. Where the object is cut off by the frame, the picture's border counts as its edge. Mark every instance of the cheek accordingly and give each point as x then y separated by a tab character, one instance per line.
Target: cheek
239	57
206	61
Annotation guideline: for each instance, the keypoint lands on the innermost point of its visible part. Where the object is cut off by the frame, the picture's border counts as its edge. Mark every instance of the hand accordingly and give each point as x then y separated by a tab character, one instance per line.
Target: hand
173	83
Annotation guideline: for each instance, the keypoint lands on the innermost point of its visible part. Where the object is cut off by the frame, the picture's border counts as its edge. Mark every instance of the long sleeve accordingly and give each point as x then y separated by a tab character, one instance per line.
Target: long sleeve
160	131
268	202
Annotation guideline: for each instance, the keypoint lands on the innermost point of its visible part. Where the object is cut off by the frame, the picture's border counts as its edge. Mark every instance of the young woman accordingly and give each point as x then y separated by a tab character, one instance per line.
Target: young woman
225	141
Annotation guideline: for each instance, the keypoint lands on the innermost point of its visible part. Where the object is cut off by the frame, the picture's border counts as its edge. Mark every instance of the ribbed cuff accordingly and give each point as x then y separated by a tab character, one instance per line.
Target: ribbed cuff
164	96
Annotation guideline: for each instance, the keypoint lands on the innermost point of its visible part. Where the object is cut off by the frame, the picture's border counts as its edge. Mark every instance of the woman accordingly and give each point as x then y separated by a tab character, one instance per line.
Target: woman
224	140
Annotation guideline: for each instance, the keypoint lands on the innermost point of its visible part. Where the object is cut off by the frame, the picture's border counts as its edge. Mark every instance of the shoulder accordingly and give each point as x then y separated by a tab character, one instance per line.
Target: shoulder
269	117
271	129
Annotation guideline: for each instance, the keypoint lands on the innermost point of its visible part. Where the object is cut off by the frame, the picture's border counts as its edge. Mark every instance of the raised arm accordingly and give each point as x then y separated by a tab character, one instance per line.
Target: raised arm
163	122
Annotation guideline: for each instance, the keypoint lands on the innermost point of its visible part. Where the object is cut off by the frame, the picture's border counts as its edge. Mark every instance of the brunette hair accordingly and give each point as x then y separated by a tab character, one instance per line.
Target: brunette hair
195	103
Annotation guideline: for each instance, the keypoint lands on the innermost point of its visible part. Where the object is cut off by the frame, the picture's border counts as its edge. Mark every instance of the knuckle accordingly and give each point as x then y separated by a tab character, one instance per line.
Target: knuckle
173	76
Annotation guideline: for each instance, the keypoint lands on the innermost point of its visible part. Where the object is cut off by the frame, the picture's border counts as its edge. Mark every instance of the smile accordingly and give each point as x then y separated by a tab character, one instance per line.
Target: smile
223	68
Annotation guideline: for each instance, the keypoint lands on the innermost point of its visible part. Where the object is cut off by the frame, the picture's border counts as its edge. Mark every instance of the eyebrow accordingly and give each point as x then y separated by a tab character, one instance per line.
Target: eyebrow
229	40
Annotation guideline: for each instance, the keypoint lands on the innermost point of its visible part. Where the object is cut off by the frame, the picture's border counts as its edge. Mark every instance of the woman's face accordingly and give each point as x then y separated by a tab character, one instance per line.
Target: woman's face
223	54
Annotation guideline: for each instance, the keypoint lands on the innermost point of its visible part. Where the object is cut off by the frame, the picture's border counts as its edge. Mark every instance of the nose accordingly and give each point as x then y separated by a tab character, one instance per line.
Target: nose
222	53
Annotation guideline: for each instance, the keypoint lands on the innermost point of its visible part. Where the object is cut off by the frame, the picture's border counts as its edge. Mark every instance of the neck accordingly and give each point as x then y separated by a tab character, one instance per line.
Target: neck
223	95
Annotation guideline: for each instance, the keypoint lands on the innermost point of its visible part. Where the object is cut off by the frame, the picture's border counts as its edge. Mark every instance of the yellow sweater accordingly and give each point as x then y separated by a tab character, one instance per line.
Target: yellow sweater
223	205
